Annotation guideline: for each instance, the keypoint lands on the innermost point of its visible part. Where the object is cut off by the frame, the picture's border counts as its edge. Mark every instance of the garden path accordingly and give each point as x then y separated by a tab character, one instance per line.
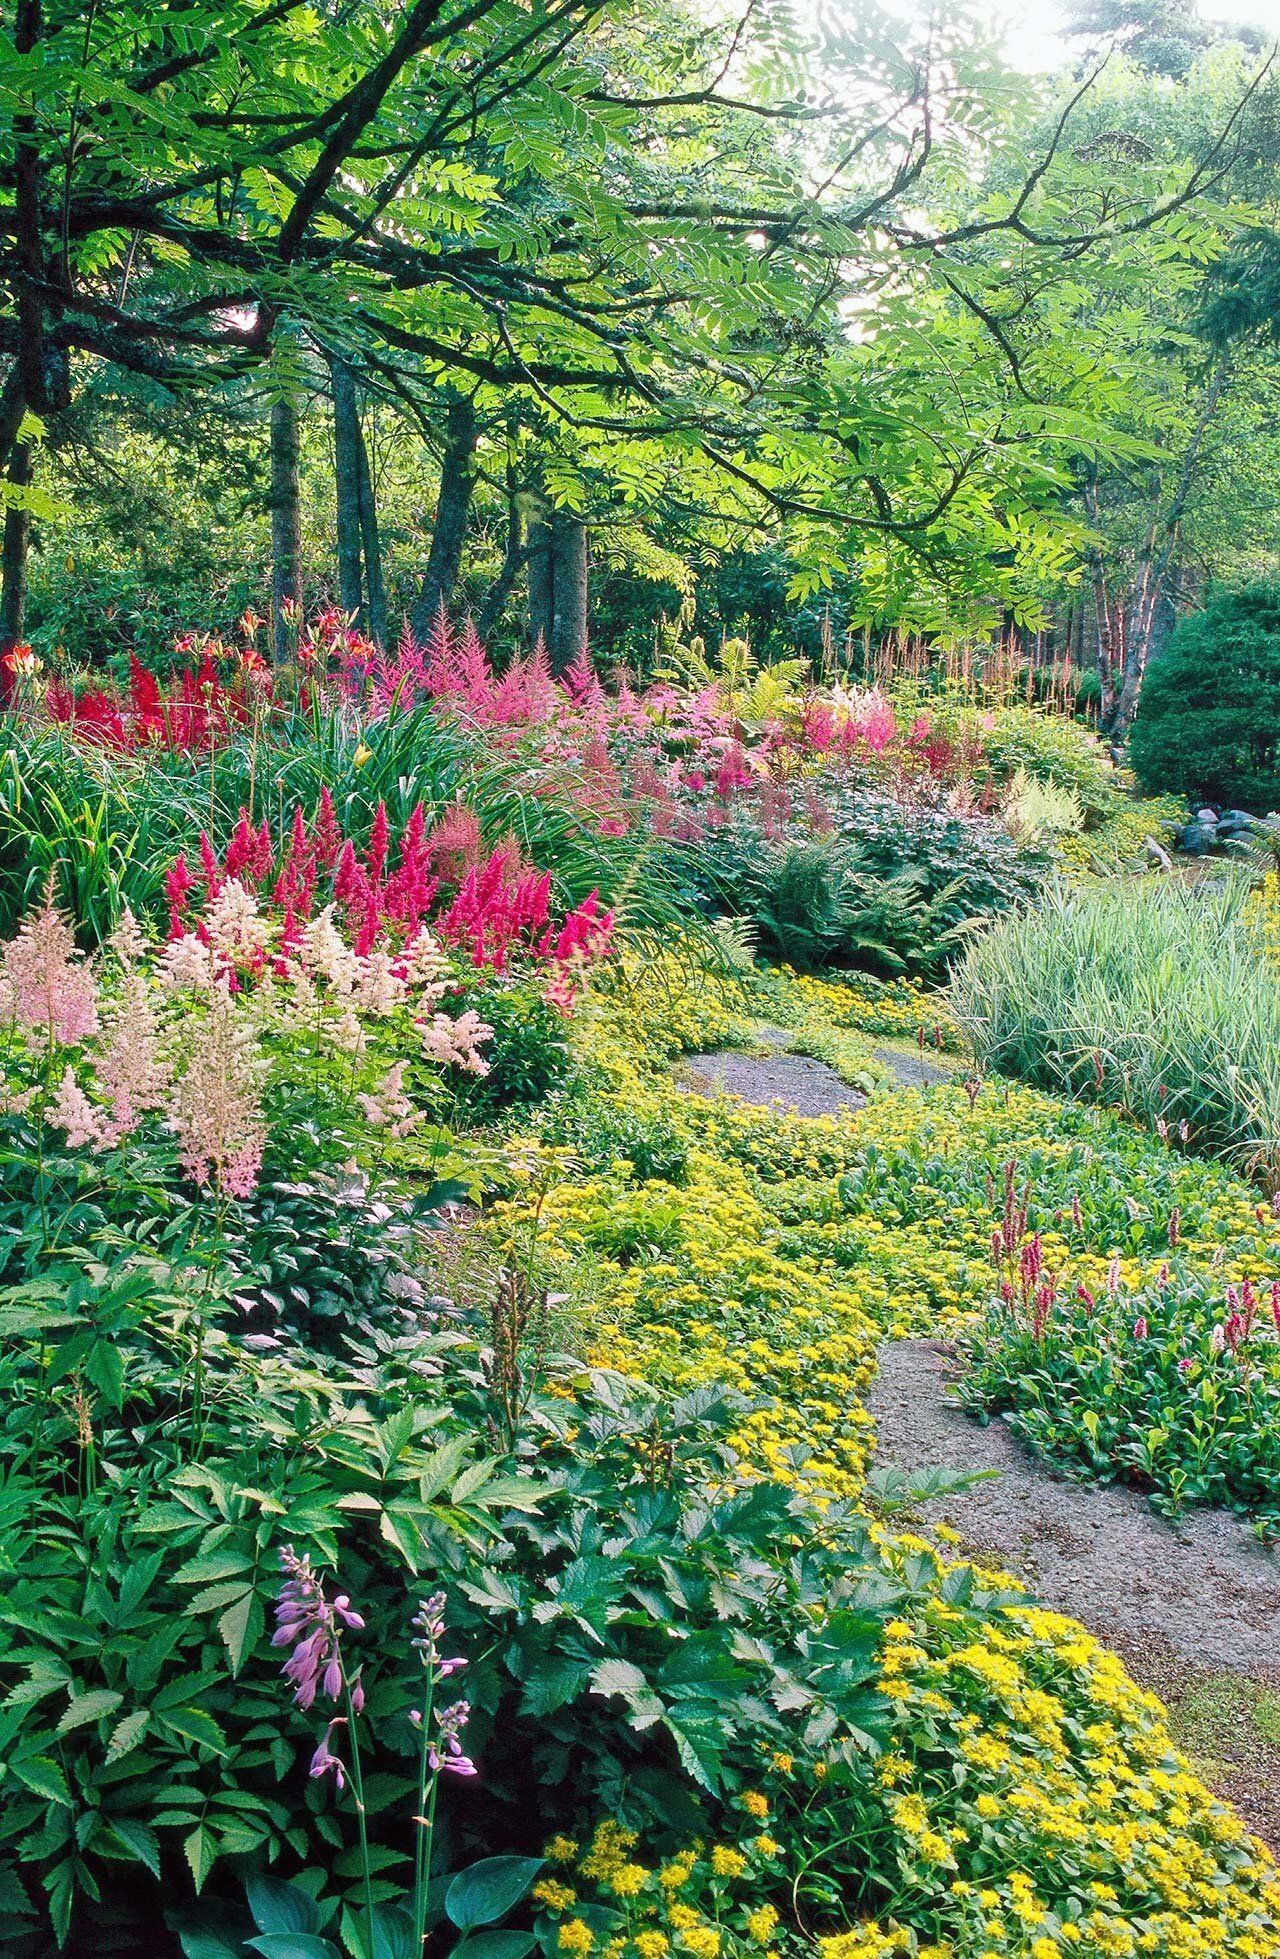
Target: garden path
1192	1607
810	1087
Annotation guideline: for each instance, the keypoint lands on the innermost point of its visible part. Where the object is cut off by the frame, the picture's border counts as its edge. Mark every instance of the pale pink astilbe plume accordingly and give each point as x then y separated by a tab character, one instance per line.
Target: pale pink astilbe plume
215	1112
389	1107
454	1043
84	1123
187	965
52	986
132	1067
127	941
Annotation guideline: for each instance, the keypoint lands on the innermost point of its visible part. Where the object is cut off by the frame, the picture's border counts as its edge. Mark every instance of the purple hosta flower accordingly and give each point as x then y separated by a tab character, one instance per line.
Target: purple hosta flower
1140	1329
428	1624
445	1753
1086	1298
1217	1339
1186	1364
1175	1227
1113	1279
313	1626
324	1761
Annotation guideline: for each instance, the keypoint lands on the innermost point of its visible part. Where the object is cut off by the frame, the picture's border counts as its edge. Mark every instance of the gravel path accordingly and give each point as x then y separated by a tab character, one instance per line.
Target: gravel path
797	1081
1191	1607
1180	1602
809	1087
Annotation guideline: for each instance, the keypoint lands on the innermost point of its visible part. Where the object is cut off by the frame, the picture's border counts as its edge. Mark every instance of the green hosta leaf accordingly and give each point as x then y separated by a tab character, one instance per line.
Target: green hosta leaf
487	1891
293	1945
281	1907
497	1945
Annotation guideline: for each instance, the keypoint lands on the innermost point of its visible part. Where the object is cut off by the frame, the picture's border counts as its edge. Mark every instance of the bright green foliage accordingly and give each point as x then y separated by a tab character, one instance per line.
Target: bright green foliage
1209	720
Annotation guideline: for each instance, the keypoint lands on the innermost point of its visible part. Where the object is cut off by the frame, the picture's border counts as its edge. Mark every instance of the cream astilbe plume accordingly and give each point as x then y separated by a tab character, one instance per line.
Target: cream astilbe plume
52	987
84	1123
454	1043
215	1110
389	1107
187	965
238	933
127	941
426	966
132	1066
380	989
325	954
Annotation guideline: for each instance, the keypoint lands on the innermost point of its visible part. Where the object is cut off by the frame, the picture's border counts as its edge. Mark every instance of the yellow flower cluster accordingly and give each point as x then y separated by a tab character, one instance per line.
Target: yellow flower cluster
1035	1806
687	1905
1263	908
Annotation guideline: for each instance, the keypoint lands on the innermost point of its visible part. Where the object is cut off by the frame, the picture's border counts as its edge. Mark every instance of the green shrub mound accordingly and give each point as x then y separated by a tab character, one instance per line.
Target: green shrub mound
1209	718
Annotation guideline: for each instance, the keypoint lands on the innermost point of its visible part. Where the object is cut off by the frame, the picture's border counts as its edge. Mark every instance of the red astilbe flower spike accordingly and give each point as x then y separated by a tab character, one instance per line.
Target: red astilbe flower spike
209	866
326	833
411	888
379	842
146	701
178	881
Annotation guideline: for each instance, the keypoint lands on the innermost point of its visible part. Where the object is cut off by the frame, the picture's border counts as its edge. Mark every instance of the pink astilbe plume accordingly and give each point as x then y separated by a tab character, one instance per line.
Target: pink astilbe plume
215	1112
84	1124
132	1067
50	986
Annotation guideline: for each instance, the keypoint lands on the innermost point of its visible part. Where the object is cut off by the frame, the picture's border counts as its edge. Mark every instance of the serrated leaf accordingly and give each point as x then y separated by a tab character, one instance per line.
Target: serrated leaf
128	1733
89	1707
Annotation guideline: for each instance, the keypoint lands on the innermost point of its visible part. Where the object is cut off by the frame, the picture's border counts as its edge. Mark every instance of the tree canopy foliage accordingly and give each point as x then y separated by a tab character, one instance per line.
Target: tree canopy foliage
708	281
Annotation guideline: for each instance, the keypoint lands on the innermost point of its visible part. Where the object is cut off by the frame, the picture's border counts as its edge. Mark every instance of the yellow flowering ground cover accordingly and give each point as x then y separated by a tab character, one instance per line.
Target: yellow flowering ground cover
1030	1802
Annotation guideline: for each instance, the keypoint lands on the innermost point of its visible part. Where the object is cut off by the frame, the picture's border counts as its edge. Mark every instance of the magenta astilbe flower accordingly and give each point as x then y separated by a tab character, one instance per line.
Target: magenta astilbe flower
49	984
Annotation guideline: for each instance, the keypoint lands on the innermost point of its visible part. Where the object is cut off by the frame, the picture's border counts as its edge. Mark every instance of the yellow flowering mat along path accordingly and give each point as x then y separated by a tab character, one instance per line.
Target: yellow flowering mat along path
1193	1607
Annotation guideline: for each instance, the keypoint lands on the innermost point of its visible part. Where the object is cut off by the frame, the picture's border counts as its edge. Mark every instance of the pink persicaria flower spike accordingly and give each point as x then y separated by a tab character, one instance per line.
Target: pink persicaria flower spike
49	985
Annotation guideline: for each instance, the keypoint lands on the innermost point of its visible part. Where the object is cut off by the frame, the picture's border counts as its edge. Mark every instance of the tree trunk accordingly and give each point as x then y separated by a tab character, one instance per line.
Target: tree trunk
1150	606
501	588
346	470
286	526
568	590
371	539
28	393
13	560
453	505
540	582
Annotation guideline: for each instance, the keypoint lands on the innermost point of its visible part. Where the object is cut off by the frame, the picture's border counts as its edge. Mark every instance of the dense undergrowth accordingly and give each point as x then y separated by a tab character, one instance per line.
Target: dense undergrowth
370	1301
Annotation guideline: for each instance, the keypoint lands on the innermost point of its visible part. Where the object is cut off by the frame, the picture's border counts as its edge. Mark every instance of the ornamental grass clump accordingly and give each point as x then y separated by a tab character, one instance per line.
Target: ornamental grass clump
1154	998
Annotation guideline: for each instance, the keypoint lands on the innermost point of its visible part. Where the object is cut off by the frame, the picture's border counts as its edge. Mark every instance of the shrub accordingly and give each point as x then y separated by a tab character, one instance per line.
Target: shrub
1054	749
1208	720
1153	997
